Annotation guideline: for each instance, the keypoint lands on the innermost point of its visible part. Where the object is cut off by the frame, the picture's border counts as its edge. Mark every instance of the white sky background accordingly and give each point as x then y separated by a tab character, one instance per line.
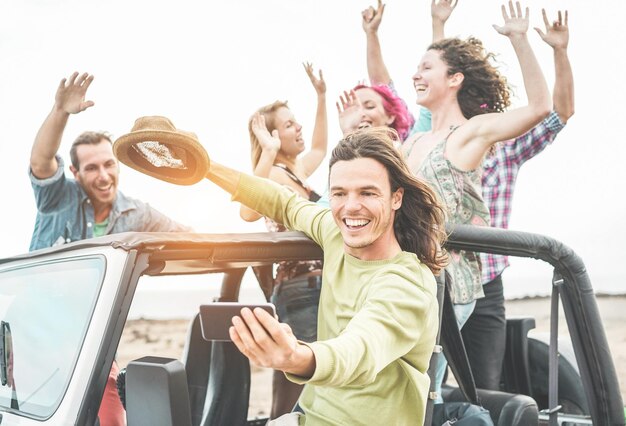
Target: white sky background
208	65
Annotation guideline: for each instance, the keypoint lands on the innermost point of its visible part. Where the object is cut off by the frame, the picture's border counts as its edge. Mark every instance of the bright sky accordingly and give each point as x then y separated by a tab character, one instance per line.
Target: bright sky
208	65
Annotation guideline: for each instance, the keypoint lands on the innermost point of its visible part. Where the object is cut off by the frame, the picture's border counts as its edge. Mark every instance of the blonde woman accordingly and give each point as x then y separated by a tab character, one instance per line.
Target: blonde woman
279	153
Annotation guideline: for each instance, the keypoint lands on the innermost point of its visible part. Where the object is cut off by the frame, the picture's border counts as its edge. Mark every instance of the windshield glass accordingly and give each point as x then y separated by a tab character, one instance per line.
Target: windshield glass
47	307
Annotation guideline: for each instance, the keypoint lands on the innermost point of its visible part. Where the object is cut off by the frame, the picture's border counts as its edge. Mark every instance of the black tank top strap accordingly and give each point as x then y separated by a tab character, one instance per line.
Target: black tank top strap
313	196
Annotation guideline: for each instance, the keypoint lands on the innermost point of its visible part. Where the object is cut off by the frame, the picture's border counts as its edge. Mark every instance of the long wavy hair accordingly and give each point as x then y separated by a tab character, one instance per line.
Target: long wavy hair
268	111
394	106
419	224
483	89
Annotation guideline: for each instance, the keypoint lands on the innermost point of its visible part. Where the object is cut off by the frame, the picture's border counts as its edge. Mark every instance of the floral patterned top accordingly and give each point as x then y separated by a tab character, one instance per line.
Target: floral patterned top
461	191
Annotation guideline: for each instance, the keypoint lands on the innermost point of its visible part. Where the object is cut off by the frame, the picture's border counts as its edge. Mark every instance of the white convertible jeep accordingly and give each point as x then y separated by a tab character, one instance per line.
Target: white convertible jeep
63	311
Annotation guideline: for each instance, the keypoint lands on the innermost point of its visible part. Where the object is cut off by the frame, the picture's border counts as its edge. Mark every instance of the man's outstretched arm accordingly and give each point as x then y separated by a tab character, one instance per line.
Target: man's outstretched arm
224	177
258	335
69	99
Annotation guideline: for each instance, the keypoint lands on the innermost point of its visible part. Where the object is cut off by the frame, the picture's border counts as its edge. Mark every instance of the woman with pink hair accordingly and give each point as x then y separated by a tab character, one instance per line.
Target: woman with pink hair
374	105
378	104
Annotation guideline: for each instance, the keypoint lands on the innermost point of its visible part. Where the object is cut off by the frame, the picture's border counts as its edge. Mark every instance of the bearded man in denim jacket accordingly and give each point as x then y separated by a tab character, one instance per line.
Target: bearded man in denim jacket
90	205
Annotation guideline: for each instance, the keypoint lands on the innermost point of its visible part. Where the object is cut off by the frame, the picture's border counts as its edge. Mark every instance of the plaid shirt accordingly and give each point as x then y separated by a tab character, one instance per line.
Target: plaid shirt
499	175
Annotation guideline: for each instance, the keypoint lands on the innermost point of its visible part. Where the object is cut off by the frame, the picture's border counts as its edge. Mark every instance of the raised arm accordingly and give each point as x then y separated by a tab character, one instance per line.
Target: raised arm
517	121
557	37
440	11
482	131
270	145
258	335
376	69
69	99
319	143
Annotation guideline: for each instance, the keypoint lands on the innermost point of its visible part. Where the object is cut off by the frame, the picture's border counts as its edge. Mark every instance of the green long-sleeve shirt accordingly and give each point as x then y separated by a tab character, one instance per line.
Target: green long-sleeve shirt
376	327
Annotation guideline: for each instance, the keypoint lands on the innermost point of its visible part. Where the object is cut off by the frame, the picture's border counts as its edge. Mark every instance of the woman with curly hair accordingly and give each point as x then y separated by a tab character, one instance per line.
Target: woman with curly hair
467	97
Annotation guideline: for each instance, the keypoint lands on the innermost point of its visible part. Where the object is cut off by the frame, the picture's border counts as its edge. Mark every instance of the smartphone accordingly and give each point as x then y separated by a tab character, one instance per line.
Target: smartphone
216	318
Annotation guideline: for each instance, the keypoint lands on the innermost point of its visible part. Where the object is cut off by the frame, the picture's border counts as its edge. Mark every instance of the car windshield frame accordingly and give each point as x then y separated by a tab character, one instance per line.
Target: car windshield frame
49	305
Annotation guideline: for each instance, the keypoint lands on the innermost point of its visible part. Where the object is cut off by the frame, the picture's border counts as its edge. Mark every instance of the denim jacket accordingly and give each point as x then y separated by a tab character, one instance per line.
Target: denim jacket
65	213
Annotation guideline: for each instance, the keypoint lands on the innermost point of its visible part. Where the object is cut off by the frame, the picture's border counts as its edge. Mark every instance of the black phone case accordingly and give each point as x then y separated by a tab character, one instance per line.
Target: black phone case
216	318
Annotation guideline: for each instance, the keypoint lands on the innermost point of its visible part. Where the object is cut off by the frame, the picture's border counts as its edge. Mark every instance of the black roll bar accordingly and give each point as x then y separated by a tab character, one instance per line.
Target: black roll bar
579	305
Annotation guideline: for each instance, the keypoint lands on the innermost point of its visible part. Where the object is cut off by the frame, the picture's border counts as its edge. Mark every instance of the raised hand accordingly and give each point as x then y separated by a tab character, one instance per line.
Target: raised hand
318	83
70	96
371	18
440	10
557	34
350	112
516	24
268	142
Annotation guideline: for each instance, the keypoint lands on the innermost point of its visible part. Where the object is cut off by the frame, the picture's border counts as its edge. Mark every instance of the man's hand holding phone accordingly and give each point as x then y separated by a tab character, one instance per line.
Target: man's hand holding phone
269	343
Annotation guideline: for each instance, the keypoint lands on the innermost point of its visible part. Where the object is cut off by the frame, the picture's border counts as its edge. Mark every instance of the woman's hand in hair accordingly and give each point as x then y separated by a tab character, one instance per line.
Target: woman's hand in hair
515	22
268	142
318	82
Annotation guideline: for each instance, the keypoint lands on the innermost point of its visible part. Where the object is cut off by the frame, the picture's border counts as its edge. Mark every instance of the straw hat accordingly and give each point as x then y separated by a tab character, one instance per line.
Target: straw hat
156	148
